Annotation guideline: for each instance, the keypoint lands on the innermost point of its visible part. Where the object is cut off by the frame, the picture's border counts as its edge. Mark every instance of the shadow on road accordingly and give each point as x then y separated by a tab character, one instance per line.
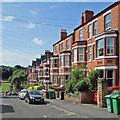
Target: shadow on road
45	103
6	109
9	97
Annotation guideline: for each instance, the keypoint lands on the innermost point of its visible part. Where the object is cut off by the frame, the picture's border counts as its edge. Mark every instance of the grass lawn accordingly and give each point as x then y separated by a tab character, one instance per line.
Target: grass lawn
5	87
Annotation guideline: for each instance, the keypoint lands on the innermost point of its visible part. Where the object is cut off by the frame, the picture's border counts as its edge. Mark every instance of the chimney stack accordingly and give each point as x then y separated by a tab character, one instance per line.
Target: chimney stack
88	15
82	19
63	34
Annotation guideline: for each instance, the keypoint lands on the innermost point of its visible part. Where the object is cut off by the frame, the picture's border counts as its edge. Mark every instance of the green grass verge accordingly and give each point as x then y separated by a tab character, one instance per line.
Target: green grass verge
5	87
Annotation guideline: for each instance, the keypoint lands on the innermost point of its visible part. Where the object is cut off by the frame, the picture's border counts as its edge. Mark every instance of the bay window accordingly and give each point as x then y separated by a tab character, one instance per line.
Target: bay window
81	54
61	79
61	60
100	48
55	79
89	53
74	55
66	60
110	46
55	62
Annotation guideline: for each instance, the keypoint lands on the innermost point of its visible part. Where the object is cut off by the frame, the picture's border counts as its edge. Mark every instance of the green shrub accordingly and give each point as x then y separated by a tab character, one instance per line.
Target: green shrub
83	85
69	87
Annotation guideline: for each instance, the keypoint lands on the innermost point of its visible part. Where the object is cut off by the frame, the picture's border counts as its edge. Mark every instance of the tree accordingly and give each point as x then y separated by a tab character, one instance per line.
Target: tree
77	74
93	77
18	77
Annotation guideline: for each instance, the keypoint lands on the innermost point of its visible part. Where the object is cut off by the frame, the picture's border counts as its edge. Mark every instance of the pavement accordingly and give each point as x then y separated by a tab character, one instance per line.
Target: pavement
12	107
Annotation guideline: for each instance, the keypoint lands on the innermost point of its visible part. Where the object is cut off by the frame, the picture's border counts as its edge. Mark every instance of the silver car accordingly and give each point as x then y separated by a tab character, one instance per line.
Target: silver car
22	94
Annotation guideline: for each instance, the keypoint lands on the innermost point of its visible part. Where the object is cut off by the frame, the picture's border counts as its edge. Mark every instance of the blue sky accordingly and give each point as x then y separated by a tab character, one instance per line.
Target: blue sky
29	28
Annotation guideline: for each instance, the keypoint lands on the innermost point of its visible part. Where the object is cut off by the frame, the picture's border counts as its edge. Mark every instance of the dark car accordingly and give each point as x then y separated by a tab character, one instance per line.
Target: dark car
34	96
14	93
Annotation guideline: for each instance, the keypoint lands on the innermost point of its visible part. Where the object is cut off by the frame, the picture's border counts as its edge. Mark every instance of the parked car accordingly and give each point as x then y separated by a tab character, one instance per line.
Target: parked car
34	96
9	93
2	93
22	93
14	93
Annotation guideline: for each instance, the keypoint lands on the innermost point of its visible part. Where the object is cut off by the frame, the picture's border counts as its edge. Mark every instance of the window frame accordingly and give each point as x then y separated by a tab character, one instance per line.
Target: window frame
81	54
62	61
74	60
94	28
67	61
99	47
89	53
67	44
112	76
55	80
81	35
89	31
107	22
112	45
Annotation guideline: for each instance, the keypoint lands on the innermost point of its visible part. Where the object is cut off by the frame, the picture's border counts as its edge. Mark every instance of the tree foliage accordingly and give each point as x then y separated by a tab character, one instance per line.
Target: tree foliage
93	76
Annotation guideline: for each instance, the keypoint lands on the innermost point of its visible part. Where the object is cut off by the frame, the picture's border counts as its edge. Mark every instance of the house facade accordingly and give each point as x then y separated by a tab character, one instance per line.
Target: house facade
95	44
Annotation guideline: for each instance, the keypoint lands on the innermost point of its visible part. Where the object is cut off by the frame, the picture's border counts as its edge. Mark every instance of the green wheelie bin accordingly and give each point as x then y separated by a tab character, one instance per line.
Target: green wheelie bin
51	94
109	103
116	104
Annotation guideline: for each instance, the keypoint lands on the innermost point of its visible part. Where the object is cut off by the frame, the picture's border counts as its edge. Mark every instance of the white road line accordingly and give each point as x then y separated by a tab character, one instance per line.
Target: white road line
45	116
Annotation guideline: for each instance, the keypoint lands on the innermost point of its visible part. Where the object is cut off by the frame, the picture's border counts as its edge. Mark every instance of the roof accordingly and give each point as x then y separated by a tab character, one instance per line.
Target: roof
63	39
98	14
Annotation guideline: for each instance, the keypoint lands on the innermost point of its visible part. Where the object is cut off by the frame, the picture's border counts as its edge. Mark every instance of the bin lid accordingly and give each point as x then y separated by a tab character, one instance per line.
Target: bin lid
108	96
115	96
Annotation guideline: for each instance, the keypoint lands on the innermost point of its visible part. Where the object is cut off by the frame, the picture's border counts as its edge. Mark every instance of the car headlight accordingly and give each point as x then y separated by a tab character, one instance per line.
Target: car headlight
31	97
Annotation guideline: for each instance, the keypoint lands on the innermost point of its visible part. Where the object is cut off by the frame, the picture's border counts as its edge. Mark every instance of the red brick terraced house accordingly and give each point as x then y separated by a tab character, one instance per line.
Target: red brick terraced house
40	70
95	43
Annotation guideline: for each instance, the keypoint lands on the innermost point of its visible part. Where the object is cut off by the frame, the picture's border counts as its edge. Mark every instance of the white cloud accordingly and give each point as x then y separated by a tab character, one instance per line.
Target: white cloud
53	6
34	13
8	18
13	58
29	25
37	41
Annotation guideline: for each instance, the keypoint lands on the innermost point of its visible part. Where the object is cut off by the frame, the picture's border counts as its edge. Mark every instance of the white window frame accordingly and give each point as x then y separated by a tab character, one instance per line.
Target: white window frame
56	49
110	78
67	44
66	60
99	47
81	35
111	46
89	31
74	55
55	79
62	61
89	53
81	54
94	52
107	22
94	28
61	80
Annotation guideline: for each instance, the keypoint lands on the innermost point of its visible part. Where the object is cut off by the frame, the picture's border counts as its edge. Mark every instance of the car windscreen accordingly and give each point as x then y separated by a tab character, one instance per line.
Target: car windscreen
34	93
23	91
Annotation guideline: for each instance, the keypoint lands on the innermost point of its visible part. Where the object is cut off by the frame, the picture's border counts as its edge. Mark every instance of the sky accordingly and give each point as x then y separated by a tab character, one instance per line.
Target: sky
30	28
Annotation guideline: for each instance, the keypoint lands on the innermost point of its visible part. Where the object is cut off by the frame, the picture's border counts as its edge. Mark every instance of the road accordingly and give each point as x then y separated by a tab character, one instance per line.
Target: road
12	107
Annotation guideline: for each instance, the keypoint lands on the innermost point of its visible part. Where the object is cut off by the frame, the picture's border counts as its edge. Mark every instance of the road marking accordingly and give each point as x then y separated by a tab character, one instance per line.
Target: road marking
45	116
68	112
